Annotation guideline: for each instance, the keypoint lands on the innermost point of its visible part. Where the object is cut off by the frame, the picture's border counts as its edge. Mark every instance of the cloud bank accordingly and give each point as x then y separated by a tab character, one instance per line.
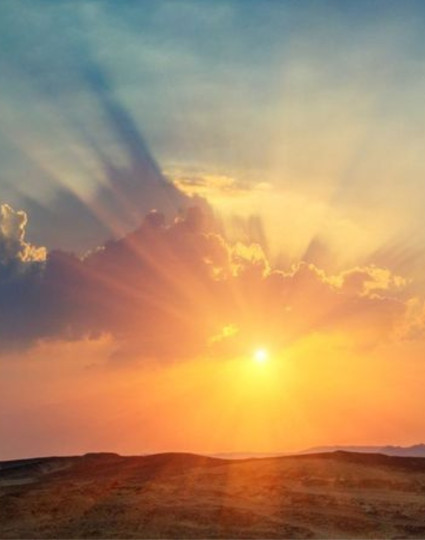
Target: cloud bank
182	290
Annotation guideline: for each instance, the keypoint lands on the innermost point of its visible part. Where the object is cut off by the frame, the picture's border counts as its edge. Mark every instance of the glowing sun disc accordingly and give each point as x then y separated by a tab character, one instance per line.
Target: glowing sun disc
261	356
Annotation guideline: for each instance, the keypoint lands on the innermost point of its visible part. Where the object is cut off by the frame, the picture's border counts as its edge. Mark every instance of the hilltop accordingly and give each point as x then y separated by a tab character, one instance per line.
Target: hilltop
338	494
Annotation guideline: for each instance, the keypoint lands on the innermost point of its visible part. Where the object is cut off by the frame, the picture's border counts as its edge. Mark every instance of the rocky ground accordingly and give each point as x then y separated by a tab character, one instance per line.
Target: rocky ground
335	495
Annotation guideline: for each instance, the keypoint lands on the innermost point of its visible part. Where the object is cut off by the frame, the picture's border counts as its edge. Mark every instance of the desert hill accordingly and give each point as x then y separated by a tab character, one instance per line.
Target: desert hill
328	495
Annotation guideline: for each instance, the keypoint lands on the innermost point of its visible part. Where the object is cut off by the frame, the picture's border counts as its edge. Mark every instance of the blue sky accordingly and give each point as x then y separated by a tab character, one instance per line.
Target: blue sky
321	102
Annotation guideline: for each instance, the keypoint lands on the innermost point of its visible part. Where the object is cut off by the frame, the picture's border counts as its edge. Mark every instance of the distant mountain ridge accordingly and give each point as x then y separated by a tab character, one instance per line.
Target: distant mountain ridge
416	450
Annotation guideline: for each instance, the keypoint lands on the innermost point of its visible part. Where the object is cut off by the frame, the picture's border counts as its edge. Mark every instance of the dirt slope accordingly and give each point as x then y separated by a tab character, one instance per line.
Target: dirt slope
336	495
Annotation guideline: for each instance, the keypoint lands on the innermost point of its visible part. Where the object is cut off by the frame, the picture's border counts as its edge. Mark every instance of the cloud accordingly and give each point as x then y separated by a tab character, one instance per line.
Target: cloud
208	185
182	290
368	280
13	246
22	268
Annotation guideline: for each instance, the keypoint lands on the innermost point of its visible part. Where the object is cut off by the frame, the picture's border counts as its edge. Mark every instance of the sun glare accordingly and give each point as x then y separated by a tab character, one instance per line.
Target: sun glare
261	356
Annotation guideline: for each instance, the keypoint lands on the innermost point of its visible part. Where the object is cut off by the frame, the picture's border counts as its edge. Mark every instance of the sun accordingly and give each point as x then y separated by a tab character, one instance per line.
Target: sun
261	356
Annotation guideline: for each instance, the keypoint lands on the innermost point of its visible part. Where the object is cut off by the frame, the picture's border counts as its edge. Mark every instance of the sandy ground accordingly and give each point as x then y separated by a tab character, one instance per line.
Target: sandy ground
337	495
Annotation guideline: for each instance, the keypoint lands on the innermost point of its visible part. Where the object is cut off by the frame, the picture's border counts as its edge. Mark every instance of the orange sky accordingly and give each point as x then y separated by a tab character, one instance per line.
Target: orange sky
313	393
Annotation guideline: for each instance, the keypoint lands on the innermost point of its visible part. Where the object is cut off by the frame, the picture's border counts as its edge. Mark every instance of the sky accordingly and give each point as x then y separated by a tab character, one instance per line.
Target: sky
211	225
